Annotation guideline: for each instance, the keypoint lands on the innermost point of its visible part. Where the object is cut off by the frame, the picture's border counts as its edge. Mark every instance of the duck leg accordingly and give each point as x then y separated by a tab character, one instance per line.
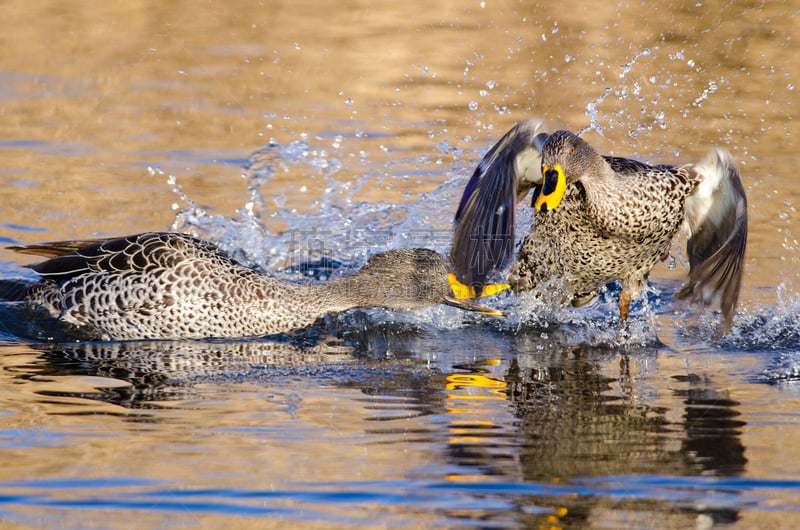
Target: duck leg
624	306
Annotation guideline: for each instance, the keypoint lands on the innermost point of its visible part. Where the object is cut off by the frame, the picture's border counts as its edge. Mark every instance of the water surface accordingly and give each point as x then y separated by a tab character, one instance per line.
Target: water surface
291	133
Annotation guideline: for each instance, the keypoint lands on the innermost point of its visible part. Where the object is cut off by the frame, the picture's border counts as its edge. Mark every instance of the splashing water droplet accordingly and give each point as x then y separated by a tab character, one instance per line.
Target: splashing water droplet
444	146
473	105
712	87
593	113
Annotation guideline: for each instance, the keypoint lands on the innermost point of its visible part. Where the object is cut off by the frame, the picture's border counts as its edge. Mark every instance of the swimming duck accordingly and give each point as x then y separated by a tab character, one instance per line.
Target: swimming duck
599	219
163	285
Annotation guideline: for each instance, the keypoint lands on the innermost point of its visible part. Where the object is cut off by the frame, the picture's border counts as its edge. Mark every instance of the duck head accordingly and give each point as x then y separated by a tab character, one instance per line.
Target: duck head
413	279
565	159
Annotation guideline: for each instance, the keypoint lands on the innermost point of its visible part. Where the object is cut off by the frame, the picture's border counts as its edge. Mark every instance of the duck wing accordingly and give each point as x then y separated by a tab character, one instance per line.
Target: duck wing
53	249
629	166
483	239
133	253
716	214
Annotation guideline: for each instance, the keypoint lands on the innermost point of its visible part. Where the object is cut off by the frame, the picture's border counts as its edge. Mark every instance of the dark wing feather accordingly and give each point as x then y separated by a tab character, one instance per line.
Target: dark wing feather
629	166
717	216
54	248
483	240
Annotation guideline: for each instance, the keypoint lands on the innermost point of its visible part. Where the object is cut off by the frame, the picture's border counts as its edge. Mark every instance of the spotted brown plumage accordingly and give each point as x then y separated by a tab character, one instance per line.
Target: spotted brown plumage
164	285
599	219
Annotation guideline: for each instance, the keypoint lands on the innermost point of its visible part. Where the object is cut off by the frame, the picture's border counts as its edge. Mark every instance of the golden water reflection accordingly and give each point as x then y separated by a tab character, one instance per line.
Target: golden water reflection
323	416
392	101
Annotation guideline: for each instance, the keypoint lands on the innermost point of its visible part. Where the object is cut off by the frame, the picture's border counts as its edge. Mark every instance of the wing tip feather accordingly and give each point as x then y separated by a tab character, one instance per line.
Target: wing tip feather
719	236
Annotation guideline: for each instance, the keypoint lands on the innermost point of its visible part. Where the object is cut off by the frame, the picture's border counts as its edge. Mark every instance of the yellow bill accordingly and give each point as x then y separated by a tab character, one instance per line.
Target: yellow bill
553	189
462	292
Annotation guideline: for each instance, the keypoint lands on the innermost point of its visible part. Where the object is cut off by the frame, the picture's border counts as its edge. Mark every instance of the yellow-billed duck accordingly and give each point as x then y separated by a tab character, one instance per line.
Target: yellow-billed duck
163	285
599	219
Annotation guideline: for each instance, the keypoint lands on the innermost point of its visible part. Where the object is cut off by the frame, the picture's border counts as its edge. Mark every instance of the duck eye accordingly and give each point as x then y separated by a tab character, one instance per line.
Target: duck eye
572	149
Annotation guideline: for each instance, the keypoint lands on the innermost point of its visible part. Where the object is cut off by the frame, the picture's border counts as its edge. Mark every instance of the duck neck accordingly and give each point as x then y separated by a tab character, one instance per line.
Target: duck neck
398	279
362	289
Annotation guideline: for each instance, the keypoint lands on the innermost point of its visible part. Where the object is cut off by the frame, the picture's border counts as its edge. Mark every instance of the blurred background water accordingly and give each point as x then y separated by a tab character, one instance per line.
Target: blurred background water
290	133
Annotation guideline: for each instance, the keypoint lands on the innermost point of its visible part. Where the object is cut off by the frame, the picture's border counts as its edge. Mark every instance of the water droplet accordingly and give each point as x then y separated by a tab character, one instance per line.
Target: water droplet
790	87
490	84
473	105
444	146
348	102
484	93
297	46
690	62
568	58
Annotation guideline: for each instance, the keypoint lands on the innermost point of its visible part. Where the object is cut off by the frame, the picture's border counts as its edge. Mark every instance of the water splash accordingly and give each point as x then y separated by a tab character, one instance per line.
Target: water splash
593	114
622	91
339	227
769	327
698	102
647	94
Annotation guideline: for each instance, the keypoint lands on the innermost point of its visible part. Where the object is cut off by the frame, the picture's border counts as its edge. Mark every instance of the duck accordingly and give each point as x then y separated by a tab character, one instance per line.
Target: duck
600	219
169	285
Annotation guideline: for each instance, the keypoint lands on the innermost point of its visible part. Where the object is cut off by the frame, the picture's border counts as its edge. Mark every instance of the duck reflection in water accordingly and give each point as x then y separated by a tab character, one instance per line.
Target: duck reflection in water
544	415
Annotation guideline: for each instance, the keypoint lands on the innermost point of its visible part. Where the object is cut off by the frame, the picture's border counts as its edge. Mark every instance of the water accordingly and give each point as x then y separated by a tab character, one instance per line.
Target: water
304	138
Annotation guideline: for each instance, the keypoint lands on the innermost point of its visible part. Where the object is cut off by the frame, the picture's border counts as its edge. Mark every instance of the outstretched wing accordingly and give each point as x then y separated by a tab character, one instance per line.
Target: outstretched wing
716	214
484	233
121	254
